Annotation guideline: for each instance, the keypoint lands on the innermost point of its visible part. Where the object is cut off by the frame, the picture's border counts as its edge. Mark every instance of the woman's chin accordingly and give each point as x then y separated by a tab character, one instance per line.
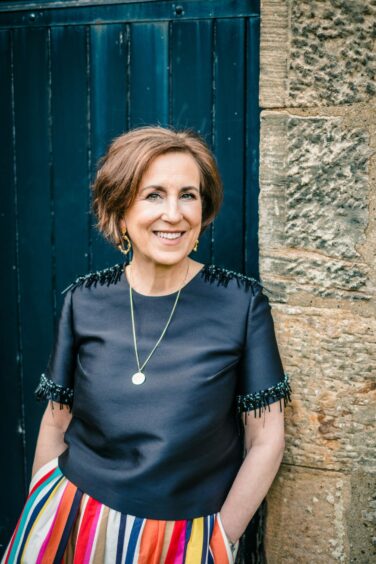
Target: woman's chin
169	257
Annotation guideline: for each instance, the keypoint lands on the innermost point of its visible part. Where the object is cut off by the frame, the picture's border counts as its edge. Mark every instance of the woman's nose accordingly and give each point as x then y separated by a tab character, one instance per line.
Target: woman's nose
172	211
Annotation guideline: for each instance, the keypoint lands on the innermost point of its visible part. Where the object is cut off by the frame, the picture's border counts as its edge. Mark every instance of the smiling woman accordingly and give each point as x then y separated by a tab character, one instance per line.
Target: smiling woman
161	189
160	361
117	183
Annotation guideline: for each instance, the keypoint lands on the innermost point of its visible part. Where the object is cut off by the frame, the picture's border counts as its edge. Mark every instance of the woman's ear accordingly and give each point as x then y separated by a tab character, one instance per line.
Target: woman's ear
122	224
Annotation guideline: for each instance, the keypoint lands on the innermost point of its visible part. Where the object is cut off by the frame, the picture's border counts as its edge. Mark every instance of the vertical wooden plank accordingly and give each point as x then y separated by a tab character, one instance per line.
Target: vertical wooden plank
11	417
191	65
149	74
70	203
108	83
252	50
191	90
31	106
229	142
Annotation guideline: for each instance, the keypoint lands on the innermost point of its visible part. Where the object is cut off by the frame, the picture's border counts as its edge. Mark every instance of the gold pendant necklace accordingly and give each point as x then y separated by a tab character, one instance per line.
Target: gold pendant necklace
139	377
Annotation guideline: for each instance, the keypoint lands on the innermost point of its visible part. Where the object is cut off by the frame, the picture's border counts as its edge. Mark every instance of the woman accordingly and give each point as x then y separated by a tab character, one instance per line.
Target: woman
156	364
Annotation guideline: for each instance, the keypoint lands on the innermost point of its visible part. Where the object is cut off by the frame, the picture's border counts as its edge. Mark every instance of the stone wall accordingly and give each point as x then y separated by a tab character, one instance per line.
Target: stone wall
318	257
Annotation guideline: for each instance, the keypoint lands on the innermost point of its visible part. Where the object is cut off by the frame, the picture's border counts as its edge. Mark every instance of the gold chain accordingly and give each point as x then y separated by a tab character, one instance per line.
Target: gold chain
139	377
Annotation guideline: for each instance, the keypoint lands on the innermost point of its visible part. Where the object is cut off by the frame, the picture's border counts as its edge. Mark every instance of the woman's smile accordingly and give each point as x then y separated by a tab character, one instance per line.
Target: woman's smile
170	237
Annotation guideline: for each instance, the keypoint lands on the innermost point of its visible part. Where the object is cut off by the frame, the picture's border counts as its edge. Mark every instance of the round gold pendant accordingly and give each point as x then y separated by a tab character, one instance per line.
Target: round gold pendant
138	378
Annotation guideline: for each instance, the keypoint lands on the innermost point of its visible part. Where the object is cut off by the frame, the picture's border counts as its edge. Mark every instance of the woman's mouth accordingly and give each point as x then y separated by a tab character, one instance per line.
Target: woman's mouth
169	236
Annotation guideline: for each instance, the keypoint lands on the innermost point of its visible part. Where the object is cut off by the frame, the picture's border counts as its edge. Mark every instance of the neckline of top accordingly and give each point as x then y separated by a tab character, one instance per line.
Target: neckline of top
192	280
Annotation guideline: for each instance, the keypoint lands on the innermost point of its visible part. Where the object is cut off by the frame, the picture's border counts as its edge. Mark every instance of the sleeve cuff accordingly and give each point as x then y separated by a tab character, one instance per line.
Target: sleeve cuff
259	401
47	389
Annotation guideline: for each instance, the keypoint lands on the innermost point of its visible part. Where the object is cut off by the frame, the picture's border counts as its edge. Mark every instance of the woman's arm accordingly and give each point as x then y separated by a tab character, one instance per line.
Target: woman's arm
264	440
50	441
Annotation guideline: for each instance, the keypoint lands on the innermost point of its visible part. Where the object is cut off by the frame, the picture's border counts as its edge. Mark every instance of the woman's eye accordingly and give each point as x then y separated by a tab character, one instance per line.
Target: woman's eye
190	194
151	196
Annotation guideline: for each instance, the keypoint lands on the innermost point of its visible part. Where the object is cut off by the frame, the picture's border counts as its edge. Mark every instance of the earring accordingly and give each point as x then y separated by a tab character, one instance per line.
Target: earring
196	245
120	246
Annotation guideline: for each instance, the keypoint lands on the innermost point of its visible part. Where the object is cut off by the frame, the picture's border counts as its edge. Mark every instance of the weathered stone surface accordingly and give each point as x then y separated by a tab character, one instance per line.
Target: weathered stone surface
274	42
307	518
314	202
317	257
328	57
307	507
330	355
361	517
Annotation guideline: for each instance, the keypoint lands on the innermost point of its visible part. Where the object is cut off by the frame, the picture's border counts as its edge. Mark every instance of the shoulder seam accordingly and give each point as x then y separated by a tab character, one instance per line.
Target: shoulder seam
222	276
110	275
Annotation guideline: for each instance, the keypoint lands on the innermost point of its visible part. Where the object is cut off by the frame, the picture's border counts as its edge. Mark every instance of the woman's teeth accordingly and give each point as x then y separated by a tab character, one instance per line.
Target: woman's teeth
169	235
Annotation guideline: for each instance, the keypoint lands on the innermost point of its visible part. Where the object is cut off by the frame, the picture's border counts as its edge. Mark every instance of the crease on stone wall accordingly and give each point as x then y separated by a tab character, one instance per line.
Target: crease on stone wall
273	46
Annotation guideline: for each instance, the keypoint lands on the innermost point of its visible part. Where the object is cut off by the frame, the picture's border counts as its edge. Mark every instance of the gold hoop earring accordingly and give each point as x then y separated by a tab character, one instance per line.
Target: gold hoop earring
196	245
120	246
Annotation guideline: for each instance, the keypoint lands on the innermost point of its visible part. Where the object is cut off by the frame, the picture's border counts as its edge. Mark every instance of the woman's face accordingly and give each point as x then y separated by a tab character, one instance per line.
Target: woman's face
164	221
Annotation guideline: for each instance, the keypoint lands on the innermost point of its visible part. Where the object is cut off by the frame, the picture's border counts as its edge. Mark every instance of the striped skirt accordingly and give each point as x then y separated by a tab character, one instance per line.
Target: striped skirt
61	524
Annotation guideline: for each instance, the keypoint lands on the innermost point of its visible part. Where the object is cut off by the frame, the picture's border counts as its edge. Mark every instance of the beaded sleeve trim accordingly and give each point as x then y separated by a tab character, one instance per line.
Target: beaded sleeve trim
48	389
259	401
106	276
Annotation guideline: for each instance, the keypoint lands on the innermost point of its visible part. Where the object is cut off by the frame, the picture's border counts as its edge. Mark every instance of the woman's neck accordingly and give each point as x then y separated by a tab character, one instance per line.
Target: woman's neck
154	279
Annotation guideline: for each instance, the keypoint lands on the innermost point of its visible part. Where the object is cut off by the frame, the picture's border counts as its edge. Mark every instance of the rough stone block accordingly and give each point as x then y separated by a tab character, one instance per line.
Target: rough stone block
317	53
314	206
330	355
308	518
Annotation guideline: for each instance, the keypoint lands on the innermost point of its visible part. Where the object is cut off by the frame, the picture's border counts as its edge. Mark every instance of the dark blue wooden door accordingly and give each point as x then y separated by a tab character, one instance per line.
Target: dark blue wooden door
73	75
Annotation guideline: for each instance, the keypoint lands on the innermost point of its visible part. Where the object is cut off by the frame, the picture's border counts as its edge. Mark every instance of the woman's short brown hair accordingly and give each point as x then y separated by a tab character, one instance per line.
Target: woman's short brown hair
120	171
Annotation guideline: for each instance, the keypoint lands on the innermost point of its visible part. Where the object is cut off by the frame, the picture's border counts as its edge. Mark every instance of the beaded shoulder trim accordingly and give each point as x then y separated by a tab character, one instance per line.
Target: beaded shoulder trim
260	401
210	272
106	276
222	276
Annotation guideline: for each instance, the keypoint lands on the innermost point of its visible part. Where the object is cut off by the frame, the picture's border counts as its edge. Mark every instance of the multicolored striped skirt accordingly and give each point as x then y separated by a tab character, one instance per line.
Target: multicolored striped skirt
61	524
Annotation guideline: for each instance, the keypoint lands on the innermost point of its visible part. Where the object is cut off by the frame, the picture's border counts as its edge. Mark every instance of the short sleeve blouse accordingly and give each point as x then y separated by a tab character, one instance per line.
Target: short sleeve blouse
180	429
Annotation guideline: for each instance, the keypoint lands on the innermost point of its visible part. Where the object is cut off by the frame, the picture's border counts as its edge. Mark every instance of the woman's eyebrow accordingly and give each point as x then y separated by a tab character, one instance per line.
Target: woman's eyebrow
156	187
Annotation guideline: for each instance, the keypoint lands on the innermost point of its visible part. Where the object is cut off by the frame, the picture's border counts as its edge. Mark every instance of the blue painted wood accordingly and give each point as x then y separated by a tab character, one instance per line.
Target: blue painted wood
107	76
69	129
252	129
12	421
107	12
76	78
33	185
229	140
149	74
16	5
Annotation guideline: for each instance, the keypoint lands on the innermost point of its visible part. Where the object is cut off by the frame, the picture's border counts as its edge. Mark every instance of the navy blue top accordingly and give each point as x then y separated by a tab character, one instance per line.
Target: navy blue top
171	447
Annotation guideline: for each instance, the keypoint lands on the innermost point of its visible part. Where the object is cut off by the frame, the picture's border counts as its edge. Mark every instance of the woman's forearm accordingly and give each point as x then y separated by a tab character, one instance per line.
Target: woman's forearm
49	445
250	487
50	441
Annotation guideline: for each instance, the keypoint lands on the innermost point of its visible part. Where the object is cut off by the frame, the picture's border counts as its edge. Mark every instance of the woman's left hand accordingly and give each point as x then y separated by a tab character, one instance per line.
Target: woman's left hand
231	540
